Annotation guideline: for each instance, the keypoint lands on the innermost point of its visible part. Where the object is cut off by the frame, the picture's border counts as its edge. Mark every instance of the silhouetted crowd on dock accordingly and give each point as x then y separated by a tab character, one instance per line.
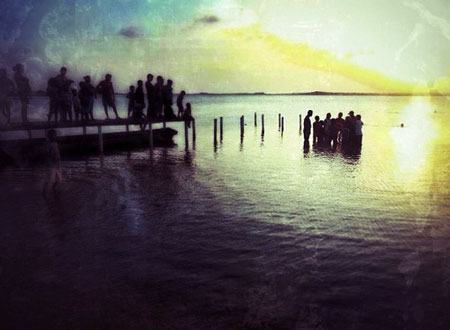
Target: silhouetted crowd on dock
332	132
68	102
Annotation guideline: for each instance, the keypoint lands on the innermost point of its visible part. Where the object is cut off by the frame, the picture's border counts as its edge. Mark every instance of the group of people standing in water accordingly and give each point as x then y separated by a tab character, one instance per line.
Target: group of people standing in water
334	131
68	102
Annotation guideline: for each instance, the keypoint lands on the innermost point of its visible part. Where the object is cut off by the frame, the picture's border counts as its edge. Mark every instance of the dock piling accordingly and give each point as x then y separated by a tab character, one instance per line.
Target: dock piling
282	124
262	124
279	121
221	128
193	131
100	139
150	135
215	130
186	137
256	120
300	123
242	126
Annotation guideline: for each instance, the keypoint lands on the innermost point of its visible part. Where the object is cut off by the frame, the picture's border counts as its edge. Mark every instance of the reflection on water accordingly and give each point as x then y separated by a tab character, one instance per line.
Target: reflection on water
413	142
254	233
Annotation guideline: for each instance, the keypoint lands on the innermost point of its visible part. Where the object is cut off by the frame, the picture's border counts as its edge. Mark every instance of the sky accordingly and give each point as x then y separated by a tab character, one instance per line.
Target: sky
226	46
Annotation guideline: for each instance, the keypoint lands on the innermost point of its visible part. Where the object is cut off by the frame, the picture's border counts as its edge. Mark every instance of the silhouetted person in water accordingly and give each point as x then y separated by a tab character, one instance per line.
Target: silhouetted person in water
139	95
76	104
131	101
6	91
150	96
85	96
348	127
180	106
333	133
106	89
52	93
358	131
158	89
327	128
64	94
23	90
168	100
307	125
188	114
53	161
339	126
316	129
90	93
352	129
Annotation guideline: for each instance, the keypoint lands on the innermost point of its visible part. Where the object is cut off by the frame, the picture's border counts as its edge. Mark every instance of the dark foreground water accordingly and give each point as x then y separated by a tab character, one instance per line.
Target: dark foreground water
251	235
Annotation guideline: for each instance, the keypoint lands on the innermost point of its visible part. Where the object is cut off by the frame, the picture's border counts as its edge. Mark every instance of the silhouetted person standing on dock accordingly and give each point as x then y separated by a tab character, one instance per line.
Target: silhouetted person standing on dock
180	106
6	91
307	125
76	105
131	101
106	89
158	88
23	90
64	94
85	96
53	161
139	95
91	93
168	100
52	93
150	96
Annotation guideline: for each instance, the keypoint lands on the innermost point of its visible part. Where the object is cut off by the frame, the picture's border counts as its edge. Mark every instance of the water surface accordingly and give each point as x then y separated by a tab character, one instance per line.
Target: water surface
251	234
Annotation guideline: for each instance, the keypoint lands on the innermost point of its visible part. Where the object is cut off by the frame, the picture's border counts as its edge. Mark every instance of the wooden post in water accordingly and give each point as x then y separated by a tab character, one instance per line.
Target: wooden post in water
282	124
215	130
150	135
279	121
100	139
221	128
242	126
186	137
300	123
193	131
262	124
256	124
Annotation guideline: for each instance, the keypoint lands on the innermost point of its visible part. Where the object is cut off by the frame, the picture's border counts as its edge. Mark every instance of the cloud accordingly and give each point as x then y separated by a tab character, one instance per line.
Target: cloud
208	19
130	32
431	19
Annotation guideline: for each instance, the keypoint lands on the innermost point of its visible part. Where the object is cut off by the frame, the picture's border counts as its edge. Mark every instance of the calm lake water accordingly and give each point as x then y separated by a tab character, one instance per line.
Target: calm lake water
251	235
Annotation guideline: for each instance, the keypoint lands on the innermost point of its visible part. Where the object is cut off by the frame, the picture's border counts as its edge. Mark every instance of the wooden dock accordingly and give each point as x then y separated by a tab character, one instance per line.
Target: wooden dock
126	123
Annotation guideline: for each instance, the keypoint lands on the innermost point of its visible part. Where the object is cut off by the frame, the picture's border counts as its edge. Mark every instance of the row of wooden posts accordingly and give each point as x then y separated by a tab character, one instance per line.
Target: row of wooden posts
242	125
